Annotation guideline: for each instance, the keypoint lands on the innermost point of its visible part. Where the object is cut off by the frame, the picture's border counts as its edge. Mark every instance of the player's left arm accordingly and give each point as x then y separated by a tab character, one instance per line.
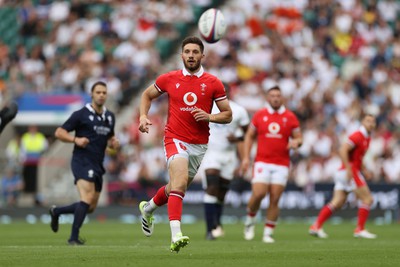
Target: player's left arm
223	117
225	114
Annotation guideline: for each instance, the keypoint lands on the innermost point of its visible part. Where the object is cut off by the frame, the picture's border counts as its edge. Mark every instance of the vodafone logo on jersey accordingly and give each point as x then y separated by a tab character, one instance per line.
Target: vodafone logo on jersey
190	98
273	130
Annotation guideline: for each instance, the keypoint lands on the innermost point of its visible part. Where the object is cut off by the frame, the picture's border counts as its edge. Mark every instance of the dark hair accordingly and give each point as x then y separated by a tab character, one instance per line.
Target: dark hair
275	87
98	83
193	40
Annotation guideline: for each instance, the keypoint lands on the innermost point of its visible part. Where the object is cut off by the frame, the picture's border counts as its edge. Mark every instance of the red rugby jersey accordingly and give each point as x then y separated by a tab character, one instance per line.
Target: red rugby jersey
274	128
185	92
359	140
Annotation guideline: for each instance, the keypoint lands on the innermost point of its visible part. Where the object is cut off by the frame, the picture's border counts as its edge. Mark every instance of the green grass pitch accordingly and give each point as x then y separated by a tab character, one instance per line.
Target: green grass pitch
116	244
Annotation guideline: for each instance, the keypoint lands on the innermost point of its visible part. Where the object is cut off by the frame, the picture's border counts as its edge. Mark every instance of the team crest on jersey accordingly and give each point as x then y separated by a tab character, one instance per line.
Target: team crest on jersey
265	119
109	118
182	146
177	85
91	117
190	98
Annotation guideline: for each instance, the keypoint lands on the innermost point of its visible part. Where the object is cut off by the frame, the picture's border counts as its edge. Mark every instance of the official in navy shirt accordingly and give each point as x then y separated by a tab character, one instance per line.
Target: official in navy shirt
94	132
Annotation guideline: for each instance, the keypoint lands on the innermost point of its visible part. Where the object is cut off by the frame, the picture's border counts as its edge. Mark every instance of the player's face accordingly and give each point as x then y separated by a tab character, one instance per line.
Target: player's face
274	98
191	56
99	95
369	123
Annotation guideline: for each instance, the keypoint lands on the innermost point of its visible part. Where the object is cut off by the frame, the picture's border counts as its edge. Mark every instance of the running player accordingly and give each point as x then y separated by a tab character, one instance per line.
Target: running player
191	94
348	179
276	130
94	131
220	163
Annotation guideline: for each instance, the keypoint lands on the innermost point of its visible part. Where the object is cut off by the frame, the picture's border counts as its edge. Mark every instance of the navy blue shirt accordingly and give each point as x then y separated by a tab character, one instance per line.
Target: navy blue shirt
98	128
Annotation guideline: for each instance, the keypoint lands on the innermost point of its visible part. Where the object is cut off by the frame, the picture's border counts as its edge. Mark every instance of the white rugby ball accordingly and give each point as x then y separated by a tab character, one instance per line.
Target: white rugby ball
212	25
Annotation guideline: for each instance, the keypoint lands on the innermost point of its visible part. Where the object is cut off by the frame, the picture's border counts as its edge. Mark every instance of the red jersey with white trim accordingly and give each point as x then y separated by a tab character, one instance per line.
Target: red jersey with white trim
359	141
274	128
185	93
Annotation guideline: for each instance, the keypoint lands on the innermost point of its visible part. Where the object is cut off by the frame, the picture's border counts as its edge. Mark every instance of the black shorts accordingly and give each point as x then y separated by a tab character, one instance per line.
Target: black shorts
84	169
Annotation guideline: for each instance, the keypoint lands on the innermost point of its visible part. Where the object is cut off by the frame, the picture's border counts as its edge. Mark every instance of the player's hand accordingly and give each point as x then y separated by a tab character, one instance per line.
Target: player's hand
232	138
368	174
114	143
200	115
81	141
293	144
144	123
244	166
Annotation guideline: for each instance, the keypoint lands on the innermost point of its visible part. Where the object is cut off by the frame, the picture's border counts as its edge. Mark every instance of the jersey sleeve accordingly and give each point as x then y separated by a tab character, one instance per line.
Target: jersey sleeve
112	126
295	123
354	139
220	93
72	122
161	83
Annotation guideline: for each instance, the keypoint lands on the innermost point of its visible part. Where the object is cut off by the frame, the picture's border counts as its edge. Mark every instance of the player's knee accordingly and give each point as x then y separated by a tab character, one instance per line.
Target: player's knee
91	208
368	200
212	184
212	190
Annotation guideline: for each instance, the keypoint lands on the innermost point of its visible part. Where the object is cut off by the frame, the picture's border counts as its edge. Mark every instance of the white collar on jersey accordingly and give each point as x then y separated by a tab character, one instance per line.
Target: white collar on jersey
198	74
91	109
271	110
364	131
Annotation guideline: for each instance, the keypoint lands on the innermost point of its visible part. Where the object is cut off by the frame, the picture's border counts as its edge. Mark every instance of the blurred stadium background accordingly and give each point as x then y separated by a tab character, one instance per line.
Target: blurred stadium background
333	59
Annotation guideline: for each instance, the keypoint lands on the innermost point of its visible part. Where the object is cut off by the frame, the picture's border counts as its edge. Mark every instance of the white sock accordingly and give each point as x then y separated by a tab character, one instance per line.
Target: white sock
150	207
210	199
268	231
175	227
250	220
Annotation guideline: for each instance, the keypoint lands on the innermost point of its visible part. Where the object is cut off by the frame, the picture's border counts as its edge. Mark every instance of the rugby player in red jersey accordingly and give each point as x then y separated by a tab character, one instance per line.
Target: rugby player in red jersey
348	179
191	94
276	130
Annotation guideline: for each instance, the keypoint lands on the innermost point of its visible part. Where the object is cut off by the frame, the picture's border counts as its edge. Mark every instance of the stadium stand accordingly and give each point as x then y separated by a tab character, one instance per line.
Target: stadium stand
333	60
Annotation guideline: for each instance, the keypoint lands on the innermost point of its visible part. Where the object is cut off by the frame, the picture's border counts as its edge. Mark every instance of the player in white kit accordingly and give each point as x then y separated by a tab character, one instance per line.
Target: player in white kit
220	163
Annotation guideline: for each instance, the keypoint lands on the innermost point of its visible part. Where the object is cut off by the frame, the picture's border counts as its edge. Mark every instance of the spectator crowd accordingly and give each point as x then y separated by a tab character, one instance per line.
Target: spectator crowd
333	59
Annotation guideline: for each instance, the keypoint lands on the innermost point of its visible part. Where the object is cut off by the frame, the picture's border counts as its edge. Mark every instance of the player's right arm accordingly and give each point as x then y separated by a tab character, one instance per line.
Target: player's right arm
249	138
344	153
64	136
145	102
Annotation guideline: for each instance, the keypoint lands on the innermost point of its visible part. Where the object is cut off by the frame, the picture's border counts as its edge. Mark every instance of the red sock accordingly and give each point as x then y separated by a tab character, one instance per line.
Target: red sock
270	224
175	205
324	215
363	213
161	197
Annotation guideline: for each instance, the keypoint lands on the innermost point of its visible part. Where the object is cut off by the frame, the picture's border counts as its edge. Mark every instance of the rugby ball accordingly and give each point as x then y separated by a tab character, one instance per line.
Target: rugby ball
212	25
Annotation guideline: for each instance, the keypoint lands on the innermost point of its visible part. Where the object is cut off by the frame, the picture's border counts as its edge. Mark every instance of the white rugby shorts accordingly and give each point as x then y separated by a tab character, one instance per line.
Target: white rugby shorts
267	173
194	153
224	161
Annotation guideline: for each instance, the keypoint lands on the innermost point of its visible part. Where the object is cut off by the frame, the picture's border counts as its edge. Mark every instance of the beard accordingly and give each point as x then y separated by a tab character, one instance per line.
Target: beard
192	67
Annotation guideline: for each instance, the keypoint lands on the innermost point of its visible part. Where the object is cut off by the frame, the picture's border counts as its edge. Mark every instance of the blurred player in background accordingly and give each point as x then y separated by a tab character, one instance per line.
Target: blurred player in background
276	130
191	94
94	132
348	179
7	114
220	163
